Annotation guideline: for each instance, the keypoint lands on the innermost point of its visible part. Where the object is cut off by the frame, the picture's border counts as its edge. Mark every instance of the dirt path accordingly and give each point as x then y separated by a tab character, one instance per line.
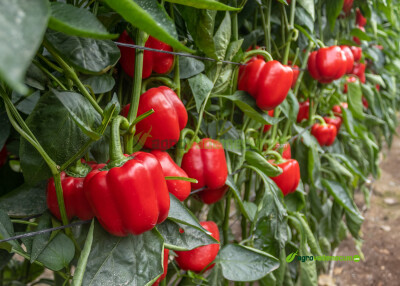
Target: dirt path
381	231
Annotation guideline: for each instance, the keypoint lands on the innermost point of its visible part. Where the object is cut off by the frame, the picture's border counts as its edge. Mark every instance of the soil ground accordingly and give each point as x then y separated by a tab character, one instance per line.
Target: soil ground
380	232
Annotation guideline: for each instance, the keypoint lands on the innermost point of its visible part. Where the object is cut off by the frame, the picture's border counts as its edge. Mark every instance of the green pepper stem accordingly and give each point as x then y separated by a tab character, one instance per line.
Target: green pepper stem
164	80
138	119
60	201
291	31
253	53
79	169
181	179
117	157
320	119
276	155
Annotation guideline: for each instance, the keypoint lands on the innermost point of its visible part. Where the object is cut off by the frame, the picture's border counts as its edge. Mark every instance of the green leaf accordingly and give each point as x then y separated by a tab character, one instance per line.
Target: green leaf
149	16
308	5
356	32
181	237
354	100
205	4
354	223
180	214
222	37
248	105
376	79
290	107
348	121
77	22
5	126
201	87
130	260
333	9
40	241
23	24
236	194
57	132
342	197
189	67
25	201
242	263
257	160
87	55
83	259
7	229
100	83
25	104
58	253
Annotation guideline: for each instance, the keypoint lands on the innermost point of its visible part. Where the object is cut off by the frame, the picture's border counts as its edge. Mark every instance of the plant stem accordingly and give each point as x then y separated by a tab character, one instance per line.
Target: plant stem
234	17
50	64
226	219
303	67
49	74
60	201
291	31
21	221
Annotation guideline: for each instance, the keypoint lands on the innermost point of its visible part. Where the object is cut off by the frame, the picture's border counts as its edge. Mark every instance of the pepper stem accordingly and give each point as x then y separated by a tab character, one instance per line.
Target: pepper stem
253	53
164	80
117	157
79	169
276	155
320	119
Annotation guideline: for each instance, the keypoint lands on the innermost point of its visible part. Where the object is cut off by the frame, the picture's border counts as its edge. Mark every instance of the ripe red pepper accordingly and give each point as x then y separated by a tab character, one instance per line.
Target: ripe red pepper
349	79
205	161
180	189
167	121
3	156
211	196
75	201
359	71
131	198
161	278
365	102
296	72
286	152
327	64
349	58
197	259
268	126
152	61
268	82
325	134
337	110
337	121
347	5
357	53
304	111
290	177
360	19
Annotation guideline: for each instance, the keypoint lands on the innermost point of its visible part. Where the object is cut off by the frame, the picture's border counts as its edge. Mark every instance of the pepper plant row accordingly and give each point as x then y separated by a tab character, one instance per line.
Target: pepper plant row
192	172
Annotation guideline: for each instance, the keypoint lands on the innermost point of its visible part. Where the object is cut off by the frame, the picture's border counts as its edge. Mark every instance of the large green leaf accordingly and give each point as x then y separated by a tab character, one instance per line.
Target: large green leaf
56	130
354	99
180	214
149	16
23	24
77	22
257	160
100	83
333	8
130	260
7	229
178	236
86	55
205	4
241	263
201	87
40	241
308	5
222	37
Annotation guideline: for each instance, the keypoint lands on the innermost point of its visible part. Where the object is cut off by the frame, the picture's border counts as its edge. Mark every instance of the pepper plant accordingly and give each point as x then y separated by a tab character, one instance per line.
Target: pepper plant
196	142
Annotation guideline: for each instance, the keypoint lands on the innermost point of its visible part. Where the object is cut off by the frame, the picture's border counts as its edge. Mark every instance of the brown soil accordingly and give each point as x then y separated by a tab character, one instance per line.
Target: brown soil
380	232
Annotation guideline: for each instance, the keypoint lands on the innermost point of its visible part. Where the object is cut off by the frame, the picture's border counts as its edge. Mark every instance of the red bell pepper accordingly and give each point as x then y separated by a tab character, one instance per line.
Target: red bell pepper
359	71
268	126
360	19
304	111
349	79
158	62
325	134
349	58
180	189
167	121
268	82
3	156
75	201
205	161
161	278
347	5
337	110
296	72
290	177
337	121
357	53
285	148
211	196
327	64
197	259
365	102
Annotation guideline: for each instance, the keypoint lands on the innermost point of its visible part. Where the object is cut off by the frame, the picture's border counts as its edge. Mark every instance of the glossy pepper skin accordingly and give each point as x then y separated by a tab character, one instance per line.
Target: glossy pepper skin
284	149
165	263
359	71
296	72
349	58
3	156
268	126
75	201
357	53
205	161
211	196
290	177
304	111
129	199
167	121
180	189
327	64
325	134
268	82
360	19
337	121
197	259
347	5
152	61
